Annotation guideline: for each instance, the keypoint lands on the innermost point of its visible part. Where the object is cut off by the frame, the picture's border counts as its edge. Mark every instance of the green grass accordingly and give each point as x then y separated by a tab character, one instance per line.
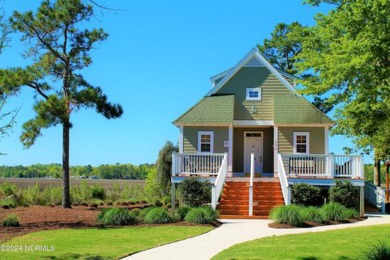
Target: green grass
348	243
95	243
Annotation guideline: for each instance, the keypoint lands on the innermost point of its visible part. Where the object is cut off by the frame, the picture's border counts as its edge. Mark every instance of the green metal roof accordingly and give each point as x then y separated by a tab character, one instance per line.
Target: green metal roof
209	110
291	109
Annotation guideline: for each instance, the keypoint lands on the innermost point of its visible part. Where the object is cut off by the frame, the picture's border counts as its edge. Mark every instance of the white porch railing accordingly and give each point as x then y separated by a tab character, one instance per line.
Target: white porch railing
286	190
197	164
375	195
250	206
216	188
321	165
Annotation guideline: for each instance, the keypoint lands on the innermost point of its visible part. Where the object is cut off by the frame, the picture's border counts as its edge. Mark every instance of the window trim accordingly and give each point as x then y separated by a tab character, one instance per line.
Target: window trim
211	133
253	89
307	134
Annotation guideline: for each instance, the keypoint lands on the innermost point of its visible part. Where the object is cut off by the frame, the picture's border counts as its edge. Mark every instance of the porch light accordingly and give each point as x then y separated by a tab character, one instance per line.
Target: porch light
253	109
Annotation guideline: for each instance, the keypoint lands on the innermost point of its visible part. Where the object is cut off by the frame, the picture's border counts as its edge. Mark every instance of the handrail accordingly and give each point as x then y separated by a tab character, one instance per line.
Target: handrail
196	163
375	195
283	181
216	188
250	213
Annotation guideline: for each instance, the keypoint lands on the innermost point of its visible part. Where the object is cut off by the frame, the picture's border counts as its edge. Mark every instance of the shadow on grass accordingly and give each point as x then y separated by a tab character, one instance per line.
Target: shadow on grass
77	256
316	258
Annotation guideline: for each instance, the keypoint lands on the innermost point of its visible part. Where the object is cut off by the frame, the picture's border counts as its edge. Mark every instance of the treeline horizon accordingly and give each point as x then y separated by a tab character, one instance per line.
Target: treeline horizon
104	171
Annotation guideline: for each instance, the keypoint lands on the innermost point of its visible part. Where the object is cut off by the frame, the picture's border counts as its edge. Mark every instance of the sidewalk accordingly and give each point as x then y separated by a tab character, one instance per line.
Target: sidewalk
234	231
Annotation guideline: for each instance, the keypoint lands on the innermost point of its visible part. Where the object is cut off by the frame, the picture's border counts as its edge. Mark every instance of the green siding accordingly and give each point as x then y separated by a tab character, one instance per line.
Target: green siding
190	138
252	77
238	148
317	139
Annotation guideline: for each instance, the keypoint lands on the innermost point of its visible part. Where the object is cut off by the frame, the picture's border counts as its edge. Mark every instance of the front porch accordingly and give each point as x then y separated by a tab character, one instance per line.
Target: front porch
314	169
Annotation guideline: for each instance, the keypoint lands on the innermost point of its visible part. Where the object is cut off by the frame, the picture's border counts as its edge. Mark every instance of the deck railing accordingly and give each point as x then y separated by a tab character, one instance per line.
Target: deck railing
321	165
197	164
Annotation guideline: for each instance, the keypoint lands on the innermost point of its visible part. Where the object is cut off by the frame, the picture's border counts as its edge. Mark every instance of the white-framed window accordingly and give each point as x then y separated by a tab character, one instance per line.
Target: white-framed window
301	142
253	94
205	141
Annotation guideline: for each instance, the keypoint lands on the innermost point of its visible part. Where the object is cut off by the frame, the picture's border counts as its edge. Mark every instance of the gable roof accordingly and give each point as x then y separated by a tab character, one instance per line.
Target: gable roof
253	54
214	110
292	110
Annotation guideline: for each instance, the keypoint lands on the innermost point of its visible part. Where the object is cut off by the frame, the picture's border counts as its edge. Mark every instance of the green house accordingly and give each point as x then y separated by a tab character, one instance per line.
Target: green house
252	127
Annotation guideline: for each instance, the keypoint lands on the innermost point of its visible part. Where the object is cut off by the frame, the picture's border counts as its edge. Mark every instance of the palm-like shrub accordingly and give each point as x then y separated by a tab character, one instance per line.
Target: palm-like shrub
289	214
313	214
378	251
181	212
201	215
350	213
157	216
116	217
334	212
11	221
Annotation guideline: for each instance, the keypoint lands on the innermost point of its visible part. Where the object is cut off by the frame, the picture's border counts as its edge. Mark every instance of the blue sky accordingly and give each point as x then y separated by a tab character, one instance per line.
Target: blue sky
156	63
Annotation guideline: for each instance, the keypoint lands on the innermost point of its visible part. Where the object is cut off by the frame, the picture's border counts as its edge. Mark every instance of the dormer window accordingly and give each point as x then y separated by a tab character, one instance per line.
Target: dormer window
253	94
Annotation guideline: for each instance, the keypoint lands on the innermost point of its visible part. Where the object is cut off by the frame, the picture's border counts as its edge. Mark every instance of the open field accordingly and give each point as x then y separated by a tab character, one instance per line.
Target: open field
46	182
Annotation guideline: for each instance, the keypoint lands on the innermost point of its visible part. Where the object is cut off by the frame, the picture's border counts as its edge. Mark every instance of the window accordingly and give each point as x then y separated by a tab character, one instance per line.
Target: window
301	142
253	94
205	141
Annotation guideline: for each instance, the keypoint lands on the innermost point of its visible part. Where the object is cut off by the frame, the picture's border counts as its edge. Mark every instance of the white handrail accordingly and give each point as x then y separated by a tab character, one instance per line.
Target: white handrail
250	213
216	188
196	163
286	190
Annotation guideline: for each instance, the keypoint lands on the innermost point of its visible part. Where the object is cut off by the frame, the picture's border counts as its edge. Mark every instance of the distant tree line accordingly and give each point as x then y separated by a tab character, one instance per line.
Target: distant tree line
104	171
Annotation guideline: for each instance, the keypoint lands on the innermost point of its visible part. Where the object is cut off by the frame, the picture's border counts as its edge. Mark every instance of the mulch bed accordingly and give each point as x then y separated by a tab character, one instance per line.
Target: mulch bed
309	224
38	218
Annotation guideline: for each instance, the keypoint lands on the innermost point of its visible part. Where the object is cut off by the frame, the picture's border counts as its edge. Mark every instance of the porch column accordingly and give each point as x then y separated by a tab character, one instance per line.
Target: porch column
276	150
181	140
230	152
361	207
173	196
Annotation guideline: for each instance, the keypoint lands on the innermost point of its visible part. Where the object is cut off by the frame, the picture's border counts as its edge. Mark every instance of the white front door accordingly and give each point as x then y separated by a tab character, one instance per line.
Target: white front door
253	143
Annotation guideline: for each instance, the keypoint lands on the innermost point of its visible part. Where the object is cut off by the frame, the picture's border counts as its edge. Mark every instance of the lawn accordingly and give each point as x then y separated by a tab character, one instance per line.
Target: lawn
95	243
338	244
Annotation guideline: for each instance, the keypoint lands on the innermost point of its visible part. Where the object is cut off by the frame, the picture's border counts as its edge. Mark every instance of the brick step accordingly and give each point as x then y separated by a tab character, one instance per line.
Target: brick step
243	200
241	217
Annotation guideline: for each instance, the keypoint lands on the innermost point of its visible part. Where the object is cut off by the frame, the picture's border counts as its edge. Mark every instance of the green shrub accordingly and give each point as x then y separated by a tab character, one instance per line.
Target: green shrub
157	216
98	192
201	215
11	221
7	189
181	212
158	203
313	214
31	195
306	195
334	212
135	212
344	193
351	213
8	202
378	251
195	192
288	214
51	196
116	217
145	211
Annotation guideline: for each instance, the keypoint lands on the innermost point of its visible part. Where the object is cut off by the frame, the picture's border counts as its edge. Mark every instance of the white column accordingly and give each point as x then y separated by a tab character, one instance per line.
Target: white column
181	140
326	134
230	152
276	150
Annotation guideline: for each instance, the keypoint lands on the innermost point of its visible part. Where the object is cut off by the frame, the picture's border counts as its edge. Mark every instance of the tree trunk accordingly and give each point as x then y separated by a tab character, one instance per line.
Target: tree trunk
377	172
65	164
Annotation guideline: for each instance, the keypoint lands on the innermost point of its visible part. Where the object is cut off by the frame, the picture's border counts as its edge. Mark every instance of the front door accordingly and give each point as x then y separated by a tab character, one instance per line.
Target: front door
253	143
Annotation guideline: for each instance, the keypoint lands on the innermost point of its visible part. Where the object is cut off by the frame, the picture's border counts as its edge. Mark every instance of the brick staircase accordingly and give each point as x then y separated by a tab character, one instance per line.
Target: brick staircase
234	201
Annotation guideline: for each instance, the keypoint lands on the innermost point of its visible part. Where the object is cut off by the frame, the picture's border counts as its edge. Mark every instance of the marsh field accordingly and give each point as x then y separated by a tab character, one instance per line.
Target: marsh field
49	182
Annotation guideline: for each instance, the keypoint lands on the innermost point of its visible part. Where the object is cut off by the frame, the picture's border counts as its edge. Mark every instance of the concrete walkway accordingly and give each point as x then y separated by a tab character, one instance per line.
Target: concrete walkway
234	231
